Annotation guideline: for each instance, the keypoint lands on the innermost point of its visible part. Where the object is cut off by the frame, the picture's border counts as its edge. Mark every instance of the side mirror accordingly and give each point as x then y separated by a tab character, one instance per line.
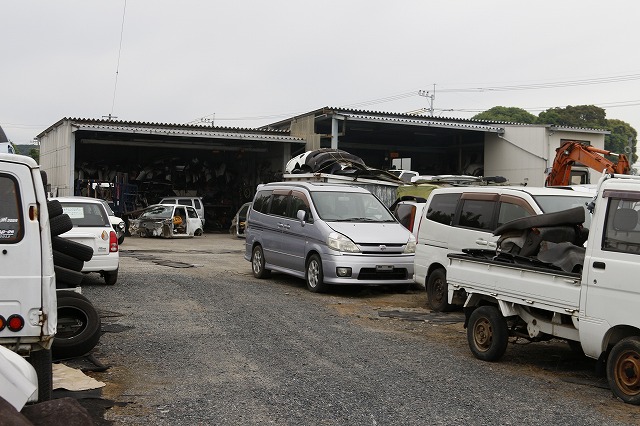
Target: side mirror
302	216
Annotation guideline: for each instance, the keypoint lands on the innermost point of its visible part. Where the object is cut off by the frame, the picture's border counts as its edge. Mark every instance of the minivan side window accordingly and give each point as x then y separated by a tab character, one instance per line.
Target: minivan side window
261	203
442	208
509	212
477	214
184	202
279	204
197	204
11	226
297	202
169	201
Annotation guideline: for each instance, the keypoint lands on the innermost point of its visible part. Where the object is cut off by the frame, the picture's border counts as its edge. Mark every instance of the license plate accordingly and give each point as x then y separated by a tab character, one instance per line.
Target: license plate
384	268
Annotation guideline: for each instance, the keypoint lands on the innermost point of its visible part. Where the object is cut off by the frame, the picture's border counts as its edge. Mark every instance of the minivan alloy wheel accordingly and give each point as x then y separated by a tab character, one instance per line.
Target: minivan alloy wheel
314	276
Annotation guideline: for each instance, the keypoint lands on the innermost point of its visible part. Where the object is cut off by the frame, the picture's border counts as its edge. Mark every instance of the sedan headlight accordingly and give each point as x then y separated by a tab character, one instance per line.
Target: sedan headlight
339	242
411	245
121	225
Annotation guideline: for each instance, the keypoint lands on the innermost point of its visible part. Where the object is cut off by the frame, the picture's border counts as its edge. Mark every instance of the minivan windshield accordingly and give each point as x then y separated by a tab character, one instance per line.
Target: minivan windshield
350	207
556	203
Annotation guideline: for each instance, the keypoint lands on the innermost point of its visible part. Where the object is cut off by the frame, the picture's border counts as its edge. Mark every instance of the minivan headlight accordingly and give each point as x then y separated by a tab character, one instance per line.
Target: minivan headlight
411	245
339	242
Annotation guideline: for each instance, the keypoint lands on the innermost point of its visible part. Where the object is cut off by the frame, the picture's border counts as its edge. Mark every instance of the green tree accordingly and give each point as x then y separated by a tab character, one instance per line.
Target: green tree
622	140
35	154
589	116
509	114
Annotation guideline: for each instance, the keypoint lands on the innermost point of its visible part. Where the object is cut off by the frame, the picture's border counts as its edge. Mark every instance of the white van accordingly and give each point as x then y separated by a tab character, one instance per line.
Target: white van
327	234
458	218
28	308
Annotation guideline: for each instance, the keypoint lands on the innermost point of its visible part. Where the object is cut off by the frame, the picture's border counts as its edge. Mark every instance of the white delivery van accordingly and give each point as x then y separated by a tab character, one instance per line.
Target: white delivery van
28	310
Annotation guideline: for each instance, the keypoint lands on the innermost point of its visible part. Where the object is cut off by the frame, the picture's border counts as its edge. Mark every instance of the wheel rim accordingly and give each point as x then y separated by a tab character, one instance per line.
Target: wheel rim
627	373
313	273
71	322
482	334
257	261
438	290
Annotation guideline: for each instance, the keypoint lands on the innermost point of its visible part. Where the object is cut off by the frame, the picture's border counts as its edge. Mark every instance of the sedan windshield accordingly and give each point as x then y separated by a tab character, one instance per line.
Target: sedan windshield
157	212
350	207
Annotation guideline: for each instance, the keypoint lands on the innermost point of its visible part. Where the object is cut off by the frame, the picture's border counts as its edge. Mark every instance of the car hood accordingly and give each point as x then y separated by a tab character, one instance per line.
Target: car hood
372	233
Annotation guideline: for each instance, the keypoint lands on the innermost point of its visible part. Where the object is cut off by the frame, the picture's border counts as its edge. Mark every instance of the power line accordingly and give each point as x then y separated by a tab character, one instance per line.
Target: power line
481	89
115	86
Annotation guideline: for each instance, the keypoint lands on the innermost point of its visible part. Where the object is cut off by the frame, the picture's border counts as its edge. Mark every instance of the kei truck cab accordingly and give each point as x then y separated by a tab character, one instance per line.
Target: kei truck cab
28	310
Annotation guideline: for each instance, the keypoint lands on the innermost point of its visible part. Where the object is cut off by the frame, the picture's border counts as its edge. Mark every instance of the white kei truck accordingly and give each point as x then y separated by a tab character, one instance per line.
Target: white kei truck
544	282
28	306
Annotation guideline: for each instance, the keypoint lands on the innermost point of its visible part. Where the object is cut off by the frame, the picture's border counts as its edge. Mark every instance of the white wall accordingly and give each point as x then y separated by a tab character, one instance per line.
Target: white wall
57	156
523	153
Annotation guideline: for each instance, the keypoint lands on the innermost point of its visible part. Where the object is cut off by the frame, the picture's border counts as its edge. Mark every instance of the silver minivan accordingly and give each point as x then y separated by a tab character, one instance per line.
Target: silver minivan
327	234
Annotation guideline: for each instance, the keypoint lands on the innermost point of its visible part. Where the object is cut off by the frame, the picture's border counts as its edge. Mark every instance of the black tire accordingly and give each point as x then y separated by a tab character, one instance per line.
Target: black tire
314	275
60	224
257	263
78	326
437	291
68	262
67	278
55	208
121	239
487	333
41	362
78	250
623	370
110	277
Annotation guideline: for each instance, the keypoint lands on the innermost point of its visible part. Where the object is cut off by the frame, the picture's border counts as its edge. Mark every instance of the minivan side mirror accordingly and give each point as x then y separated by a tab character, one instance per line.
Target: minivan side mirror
302	216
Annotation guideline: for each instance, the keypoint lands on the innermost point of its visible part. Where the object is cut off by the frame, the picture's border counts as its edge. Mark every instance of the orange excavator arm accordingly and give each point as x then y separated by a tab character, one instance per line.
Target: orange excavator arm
575	152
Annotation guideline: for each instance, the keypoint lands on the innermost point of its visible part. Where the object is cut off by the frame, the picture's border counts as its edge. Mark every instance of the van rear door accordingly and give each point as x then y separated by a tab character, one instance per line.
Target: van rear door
20	253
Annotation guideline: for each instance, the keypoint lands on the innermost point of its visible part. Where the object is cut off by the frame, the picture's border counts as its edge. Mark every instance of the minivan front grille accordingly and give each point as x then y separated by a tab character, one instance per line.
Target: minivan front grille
373	274
381	249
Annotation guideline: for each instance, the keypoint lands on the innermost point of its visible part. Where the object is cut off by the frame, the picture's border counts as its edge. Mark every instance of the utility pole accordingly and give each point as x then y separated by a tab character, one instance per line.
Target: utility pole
429	95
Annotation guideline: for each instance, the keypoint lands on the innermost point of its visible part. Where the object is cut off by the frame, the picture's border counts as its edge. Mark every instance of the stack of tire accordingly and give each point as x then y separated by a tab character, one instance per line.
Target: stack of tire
79	325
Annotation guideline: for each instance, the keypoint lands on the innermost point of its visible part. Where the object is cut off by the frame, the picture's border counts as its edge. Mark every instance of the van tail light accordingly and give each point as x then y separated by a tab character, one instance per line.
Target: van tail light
15	322
113	242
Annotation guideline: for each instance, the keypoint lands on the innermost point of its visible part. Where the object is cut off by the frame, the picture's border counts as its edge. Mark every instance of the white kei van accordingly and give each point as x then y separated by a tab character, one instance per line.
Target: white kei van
328	234
28	308
458	218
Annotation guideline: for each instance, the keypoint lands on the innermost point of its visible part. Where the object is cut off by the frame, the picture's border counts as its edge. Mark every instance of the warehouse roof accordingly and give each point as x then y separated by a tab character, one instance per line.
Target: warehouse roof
413	119
181	130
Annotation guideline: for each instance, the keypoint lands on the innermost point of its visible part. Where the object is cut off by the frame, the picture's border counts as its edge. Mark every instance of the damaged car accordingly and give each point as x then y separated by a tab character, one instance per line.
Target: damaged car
167	221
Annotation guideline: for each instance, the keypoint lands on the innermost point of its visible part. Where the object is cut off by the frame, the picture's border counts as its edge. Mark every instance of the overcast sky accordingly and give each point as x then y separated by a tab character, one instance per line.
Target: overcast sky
256	62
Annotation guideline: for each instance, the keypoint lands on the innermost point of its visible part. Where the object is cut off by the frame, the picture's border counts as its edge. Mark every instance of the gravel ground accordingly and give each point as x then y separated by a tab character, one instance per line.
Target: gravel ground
210	344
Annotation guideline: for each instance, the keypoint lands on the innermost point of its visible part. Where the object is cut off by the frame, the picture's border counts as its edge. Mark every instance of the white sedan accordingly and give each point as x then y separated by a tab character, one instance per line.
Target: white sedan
91	227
